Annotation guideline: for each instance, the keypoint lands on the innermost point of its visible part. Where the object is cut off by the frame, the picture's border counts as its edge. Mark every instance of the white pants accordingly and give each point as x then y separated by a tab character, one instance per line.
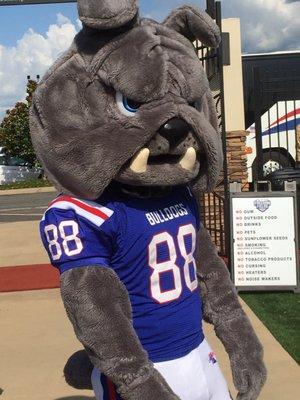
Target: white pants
196	376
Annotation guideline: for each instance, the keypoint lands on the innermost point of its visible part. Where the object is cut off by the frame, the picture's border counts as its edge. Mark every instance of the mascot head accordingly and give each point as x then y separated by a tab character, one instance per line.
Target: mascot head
129	102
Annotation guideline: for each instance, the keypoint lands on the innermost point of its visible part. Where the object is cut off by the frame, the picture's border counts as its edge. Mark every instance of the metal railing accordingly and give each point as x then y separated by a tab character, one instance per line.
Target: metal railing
214	206
212	211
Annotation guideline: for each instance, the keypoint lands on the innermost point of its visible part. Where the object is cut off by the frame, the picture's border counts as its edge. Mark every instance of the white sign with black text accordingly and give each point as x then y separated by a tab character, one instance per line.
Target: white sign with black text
264	247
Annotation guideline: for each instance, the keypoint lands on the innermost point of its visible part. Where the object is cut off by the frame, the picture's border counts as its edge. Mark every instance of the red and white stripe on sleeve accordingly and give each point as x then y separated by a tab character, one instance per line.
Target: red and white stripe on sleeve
92	211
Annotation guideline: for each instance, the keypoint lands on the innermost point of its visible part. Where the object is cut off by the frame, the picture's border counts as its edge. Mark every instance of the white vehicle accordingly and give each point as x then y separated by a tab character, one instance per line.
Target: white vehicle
280	125
14	169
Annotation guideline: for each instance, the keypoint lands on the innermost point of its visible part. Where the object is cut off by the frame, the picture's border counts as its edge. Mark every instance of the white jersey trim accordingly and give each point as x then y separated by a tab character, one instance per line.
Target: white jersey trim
92	211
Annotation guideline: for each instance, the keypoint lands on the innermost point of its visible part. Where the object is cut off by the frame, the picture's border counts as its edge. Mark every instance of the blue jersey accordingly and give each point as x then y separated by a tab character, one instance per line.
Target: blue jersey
150	244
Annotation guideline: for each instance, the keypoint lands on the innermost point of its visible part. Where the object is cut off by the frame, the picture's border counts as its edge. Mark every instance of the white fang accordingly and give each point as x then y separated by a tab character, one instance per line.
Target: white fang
189	159
140	161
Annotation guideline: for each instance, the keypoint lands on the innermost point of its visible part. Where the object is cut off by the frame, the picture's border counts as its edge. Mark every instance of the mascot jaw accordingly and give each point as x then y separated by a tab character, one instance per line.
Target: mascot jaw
139	163
166	169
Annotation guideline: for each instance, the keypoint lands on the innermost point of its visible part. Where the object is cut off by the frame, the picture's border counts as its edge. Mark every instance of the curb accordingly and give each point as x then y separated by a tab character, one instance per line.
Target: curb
28	277
27	191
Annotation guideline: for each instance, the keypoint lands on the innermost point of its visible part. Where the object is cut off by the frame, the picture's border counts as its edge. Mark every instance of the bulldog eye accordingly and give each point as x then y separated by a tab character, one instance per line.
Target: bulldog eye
127	106
193	104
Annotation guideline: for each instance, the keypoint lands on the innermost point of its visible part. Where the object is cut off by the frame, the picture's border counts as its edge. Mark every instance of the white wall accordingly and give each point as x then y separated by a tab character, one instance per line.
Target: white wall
233	78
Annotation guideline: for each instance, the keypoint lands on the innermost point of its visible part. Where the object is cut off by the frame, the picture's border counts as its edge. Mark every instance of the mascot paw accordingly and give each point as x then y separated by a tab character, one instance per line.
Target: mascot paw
78	371
250	381
246	355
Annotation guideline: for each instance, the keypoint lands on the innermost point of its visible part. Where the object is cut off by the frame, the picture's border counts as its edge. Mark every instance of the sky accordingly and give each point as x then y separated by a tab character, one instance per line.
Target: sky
32	37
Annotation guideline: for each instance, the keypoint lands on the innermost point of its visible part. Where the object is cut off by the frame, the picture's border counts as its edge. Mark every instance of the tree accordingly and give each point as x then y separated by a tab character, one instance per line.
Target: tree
14	129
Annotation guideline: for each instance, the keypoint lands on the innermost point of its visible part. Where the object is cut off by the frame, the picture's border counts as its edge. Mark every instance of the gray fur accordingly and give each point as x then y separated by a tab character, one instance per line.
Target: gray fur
98	306
232	326
77	116
106	14
207	141
194	24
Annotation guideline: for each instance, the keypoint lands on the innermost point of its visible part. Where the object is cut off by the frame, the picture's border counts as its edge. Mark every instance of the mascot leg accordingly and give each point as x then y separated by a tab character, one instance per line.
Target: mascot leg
216	383
104	389
196	376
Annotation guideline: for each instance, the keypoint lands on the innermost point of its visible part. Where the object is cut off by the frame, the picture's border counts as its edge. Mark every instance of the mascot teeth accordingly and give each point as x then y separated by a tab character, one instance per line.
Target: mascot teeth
140	161
189	159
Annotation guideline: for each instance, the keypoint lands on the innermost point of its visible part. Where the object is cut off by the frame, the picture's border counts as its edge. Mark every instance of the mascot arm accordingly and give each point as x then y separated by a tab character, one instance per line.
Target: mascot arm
232	326
98	306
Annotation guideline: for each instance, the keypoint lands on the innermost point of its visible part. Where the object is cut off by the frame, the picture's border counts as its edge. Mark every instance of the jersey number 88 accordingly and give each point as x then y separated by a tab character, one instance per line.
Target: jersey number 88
55	249
170	265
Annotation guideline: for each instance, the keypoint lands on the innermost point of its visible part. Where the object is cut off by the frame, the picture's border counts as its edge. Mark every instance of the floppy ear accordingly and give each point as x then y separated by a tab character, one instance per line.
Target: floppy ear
194	24
107	14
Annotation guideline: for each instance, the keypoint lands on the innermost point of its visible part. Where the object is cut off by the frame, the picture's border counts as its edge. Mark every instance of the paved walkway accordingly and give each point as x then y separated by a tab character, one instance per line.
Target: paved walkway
36	339
20	244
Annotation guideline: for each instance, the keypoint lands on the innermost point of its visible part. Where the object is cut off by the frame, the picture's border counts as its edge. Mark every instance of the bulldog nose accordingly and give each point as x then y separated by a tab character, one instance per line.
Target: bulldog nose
175	131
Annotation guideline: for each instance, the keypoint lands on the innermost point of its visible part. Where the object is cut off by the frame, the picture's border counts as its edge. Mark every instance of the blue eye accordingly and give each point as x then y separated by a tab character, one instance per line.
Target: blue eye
127	106
131	105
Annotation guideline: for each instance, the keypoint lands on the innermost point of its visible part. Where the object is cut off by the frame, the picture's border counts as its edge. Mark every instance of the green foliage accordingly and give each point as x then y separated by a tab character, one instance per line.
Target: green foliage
14	129
31	183
280	312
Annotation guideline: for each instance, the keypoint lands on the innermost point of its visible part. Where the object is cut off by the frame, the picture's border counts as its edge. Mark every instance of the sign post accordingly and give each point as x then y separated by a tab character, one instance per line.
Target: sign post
27	2
264	245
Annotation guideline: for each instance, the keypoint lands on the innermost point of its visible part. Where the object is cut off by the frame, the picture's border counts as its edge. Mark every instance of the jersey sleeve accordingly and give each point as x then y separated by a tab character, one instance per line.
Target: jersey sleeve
76	234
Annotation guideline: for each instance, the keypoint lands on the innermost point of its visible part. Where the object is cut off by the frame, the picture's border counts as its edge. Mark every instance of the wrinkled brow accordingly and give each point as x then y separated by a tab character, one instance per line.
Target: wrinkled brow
157	63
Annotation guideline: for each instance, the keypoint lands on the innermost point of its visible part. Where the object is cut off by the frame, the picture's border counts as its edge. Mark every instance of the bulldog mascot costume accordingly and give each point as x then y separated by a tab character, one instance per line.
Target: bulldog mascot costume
125	126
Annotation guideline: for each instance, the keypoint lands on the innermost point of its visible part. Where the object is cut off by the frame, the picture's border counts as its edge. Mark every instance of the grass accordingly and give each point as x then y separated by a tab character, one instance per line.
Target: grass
31	183
280	312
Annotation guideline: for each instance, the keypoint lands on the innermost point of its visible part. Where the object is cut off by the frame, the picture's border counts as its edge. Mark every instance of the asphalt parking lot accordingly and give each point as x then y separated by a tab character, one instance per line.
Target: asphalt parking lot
24	207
